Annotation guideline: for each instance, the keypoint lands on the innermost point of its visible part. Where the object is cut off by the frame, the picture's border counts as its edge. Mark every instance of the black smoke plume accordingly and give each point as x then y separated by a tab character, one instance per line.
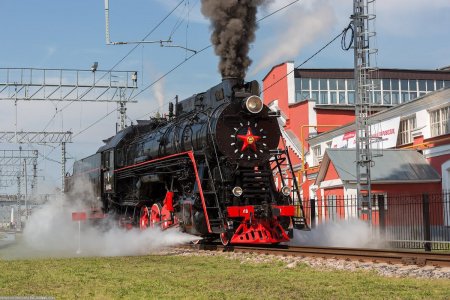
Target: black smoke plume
234	24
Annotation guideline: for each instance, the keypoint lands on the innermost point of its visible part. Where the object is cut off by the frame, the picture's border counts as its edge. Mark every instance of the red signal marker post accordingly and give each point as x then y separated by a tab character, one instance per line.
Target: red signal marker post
79	216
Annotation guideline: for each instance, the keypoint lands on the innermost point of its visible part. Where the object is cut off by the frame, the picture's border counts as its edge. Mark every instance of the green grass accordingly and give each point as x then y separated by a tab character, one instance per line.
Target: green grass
174	277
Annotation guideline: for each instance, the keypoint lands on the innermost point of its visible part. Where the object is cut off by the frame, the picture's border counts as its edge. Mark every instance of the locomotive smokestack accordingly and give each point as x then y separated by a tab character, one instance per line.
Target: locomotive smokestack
234	24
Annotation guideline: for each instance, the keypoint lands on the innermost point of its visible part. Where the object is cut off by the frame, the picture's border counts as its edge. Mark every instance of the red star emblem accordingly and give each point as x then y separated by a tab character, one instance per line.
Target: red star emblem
249	140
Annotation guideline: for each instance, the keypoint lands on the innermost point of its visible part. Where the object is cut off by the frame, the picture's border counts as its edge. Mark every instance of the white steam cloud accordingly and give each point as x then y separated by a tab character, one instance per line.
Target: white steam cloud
158	93
301	26
343	233
50	232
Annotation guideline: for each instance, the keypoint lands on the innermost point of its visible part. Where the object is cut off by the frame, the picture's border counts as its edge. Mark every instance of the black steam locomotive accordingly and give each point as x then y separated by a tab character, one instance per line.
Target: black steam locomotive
207	168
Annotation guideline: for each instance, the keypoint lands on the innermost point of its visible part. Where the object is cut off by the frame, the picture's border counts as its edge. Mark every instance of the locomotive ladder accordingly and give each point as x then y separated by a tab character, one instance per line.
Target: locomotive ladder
213	209
283	164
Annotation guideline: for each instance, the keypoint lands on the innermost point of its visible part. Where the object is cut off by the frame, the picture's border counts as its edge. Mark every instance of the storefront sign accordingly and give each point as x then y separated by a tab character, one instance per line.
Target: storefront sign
384	136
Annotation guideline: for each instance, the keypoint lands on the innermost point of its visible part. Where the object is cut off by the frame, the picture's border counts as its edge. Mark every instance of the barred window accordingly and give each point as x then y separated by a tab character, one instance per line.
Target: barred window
439	121
332	207
405	130
317	152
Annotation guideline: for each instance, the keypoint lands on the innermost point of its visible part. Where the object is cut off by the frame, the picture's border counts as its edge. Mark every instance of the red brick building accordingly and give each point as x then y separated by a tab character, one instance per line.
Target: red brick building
411	111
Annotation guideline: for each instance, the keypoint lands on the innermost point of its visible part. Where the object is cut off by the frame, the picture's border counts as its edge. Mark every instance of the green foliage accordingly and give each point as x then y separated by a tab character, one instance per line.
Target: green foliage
174	277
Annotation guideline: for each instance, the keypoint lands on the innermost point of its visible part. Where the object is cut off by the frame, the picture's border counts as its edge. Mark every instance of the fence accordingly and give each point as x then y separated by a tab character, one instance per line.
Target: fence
402	221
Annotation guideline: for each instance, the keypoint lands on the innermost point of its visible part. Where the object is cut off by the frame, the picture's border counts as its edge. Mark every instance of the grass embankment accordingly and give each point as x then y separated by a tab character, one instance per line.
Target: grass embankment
162	277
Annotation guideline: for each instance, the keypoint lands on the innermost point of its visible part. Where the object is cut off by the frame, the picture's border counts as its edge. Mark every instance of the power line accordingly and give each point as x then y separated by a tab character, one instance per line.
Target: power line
274	12
101	119
178	65
307	60
116	64
198	52
132	49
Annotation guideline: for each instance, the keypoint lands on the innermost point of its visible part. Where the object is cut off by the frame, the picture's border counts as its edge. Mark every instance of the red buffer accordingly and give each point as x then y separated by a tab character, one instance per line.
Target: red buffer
259	230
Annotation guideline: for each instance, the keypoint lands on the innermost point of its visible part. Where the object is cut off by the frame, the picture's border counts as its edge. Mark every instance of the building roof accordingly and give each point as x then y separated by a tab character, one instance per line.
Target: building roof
394	166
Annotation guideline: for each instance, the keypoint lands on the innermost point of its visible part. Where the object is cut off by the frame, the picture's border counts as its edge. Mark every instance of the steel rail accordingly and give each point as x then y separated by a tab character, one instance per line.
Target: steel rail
389	256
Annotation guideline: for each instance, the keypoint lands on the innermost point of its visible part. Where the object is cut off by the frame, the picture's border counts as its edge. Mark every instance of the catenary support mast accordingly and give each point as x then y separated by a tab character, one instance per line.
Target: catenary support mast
363	20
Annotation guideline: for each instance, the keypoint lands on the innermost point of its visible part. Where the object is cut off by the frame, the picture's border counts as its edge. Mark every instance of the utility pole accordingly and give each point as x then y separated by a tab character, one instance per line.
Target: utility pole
19	208
122	110
63	167
363	18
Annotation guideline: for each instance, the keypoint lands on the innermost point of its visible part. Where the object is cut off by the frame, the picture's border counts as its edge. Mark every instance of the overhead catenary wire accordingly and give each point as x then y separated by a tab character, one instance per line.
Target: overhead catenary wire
178	66
132	49
93	124
198	52
120	61
307	60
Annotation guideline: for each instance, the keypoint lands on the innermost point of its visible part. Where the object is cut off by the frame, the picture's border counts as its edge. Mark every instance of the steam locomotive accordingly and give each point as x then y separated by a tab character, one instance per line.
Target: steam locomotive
207	168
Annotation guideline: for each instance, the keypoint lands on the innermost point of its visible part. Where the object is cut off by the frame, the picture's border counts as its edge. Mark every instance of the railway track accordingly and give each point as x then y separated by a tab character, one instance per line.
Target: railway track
363	255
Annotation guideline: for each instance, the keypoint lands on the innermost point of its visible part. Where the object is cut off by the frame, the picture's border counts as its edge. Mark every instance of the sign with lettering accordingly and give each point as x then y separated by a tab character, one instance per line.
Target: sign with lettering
383	136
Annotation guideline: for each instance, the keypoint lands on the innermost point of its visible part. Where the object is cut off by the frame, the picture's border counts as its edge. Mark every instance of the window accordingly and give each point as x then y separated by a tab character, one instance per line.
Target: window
333	85
350	84
405	97
386	84
317	153
323	97
378	201
377	97
329	144
430	85
305	84
341	97
351	97
332	207
439	121
404	132
413	85
404	84
422	86
386	98
395	98
394	84
305	95
314	84
333	97
323	84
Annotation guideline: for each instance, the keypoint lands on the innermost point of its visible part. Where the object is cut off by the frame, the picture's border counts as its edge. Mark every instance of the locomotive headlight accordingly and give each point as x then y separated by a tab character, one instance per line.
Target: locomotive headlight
237	191
253	104
285	190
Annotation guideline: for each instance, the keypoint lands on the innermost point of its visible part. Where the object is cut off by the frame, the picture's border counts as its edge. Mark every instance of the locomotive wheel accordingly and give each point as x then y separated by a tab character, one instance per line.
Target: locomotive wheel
144	219
225	237
166	218
155	215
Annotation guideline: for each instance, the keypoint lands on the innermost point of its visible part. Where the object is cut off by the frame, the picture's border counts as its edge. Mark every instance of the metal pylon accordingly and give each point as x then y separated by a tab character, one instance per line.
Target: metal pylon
363	20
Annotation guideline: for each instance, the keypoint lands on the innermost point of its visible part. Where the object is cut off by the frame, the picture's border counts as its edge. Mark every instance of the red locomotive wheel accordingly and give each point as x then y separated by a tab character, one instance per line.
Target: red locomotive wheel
225	237
144	219
155	215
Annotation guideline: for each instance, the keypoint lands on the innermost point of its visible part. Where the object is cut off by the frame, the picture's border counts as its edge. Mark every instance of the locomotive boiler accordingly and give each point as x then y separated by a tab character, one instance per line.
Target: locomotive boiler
207	168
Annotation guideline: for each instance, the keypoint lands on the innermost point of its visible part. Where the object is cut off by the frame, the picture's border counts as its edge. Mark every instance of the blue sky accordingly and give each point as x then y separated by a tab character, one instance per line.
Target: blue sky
71	34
